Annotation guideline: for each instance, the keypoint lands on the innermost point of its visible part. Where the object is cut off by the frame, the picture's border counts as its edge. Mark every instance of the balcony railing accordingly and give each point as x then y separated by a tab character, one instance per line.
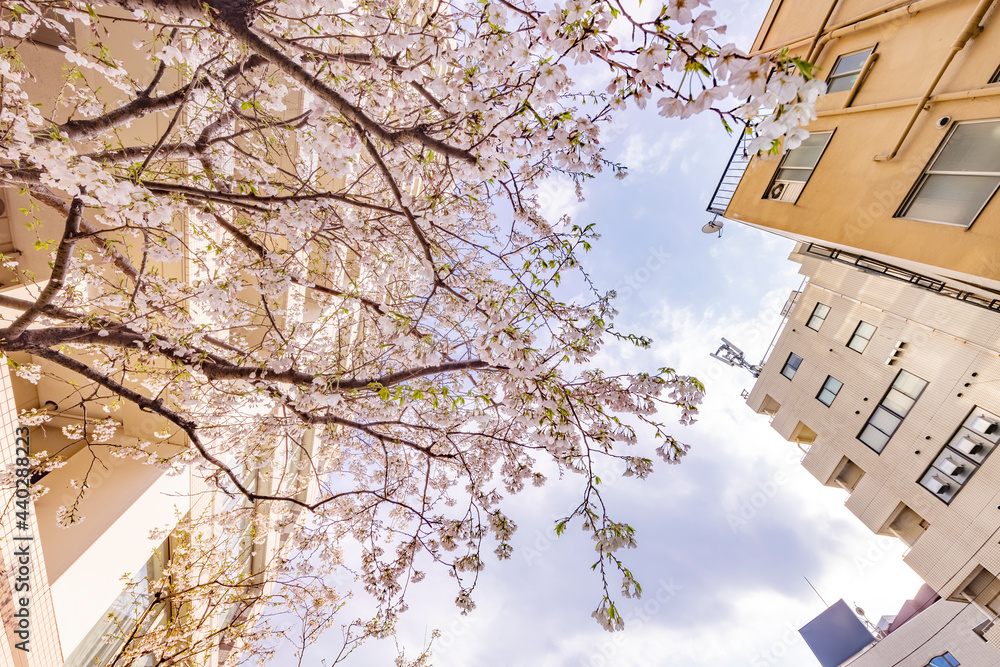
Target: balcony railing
738	162
924	282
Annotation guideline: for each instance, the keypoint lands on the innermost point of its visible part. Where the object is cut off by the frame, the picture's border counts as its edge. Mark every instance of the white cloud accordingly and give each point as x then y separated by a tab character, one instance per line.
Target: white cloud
557	197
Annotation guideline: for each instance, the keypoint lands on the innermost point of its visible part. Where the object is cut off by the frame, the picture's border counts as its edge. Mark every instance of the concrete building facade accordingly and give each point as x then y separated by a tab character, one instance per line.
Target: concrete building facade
902	164
892	391
943	635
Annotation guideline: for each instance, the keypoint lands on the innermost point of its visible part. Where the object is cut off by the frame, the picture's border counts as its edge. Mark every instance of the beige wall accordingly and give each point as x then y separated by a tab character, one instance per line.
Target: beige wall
943	627
851	198
947	341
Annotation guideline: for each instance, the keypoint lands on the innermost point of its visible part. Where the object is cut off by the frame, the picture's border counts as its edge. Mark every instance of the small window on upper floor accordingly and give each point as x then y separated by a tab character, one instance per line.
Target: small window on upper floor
996	76
861	337
944	660
829	391
818	316
791	365
846	70
961	178
796	168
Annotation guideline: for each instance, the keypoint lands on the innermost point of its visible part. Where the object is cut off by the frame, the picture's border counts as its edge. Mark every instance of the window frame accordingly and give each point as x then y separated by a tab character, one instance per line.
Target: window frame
949	660
794	368
855	73
899	418
926	172
822	318
855	334
781	166
824	388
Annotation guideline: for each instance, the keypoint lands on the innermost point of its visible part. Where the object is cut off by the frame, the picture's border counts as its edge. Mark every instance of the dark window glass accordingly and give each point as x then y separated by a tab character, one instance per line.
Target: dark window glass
829	391
791	366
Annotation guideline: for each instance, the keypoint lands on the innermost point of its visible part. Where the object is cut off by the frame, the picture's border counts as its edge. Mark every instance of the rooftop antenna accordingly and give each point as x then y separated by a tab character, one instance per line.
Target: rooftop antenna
732	355
714	226
815	591
875	630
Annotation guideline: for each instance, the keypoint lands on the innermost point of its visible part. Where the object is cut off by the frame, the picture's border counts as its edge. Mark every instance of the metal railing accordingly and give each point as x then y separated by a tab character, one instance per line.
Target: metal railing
905	275
738	162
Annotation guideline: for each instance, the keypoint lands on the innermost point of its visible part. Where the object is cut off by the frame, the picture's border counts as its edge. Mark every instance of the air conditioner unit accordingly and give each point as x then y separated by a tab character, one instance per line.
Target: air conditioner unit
786	190
938	485
983	425
950	466
968	446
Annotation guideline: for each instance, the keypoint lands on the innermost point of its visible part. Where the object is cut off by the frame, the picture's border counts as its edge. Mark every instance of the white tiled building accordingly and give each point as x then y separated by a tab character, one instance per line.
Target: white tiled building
892	390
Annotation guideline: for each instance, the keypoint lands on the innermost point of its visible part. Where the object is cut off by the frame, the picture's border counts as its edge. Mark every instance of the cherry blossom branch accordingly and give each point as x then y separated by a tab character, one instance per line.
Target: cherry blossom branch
59	270
142	106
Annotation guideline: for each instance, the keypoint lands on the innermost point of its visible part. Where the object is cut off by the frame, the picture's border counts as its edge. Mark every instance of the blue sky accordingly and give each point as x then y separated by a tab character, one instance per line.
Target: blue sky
726	538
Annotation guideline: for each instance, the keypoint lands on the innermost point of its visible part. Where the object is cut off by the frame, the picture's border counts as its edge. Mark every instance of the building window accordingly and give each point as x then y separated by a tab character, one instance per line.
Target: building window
791	366
962	455
996	76
862	335
829	391
846	70
891	411
818	316
796	168
960	179
945	660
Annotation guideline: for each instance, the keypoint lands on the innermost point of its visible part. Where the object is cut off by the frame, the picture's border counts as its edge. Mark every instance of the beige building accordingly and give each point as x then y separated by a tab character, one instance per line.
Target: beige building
892	392
926	632
945	634
904	157
79	574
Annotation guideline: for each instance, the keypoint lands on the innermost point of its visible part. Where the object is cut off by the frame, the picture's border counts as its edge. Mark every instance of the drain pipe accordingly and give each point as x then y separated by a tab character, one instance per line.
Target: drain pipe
819	32
970	29
895	9
869	22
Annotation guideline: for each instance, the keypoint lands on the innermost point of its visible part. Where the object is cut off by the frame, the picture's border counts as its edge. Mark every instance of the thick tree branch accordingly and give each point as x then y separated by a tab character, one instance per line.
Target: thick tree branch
261	47
50	199
59	270
241	198
142	106
216	368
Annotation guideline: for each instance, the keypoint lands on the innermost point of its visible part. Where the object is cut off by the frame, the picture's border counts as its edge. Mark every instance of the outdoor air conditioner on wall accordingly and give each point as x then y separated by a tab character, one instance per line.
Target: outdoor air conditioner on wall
938	485
785	190
968	446
983	425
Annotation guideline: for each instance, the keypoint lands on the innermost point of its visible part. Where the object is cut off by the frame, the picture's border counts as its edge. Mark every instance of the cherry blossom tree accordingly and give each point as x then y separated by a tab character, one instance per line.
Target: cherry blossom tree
326	274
